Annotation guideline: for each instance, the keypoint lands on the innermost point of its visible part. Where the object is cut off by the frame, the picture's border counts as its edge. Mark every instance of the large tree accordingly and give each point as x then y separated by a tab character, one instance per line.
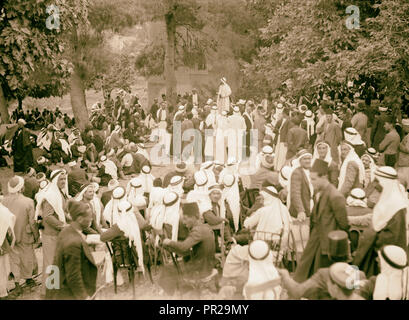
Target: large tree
30	49
308	42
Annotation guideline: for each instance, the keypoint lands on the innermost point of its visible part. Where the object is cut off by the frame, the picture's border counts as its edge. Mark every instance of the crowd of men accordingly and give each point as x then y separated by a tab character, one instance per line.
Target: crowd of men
326	200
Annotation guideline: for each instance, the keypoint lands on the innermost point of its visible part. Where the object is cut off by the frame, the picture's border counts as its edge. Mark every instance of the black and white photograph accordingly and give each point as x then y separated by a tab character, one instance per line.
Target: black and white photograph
204	152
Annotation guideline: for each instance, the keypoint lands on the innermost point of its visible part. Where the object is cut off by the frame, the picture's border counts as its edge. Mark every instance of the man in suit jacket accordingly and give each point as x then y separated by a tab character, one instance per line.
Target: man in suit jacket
300	188
77	269
329	213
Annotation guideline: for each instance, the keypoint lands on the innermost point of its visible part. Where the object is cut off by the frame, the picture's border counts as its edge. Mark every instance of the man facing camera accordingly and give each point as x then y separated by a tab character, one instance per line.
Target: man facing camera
73	258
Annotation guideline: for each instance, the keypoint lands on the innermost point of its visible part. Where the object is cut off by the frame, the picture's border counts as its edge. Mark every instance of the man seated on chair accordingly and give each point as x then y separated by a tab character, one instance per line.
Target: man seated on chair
73	258
199	243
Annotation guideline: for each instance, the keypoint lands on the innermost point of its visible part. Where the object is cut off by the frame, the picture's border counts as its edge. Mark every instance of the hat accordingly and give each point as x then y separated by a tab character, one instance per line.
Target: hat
394	256
383	109
118	193
22	121
170	198
136	182
241	102
40	176
267	161
405	122
214	108
72	163
338	245
43	184
191	209
224	113
286	172
200	178
76	208
267	150
176	180
181	167
320	166
103	158
228	180
31	172
372	152
112	184
236	109
146	169
308	114
41	160
259	250
15	184
386	172
82	149
358	193
351	131
206	165
209	101
96	186
302	108
181	108
280	106
303	153
215	187
124	206
340	274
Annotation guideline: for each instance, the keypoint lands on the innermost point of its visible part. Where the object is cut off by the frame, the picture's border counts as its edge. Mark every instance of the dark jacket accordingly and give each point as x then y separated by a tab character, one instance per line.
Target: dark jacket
201	245
78	272
329	214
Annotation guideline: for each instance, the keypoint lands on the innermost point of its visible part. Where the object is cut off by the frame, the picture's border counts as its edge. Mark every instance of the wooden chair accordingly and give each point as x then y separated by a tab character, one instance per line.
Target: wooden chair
124	257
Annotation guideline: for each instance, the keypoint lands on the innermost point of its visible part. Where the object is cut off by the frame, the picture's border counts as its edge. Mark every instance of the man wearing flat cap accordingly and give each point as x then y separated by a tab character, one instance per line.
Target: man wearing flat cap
329	214
22	149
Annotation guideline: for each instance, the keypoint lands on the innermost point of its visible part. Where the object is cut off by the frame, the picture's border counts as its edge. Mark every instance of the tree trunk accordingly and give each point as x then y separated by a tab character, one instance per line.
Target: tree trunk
3	107
170	76
78	102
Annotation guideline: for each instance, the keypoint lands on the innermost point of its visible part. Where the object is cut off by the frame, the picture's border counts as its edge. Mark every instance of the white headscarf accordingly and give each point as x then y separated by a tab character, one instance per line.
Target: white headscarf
262	271
54	195
211	119
135	195
172	216
128	223
39	197
370	171
391	283
351	156
111	210
200	194
110	168
7	220
273	217
231	194
147	181
95	202
392	199
315	156
178	188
